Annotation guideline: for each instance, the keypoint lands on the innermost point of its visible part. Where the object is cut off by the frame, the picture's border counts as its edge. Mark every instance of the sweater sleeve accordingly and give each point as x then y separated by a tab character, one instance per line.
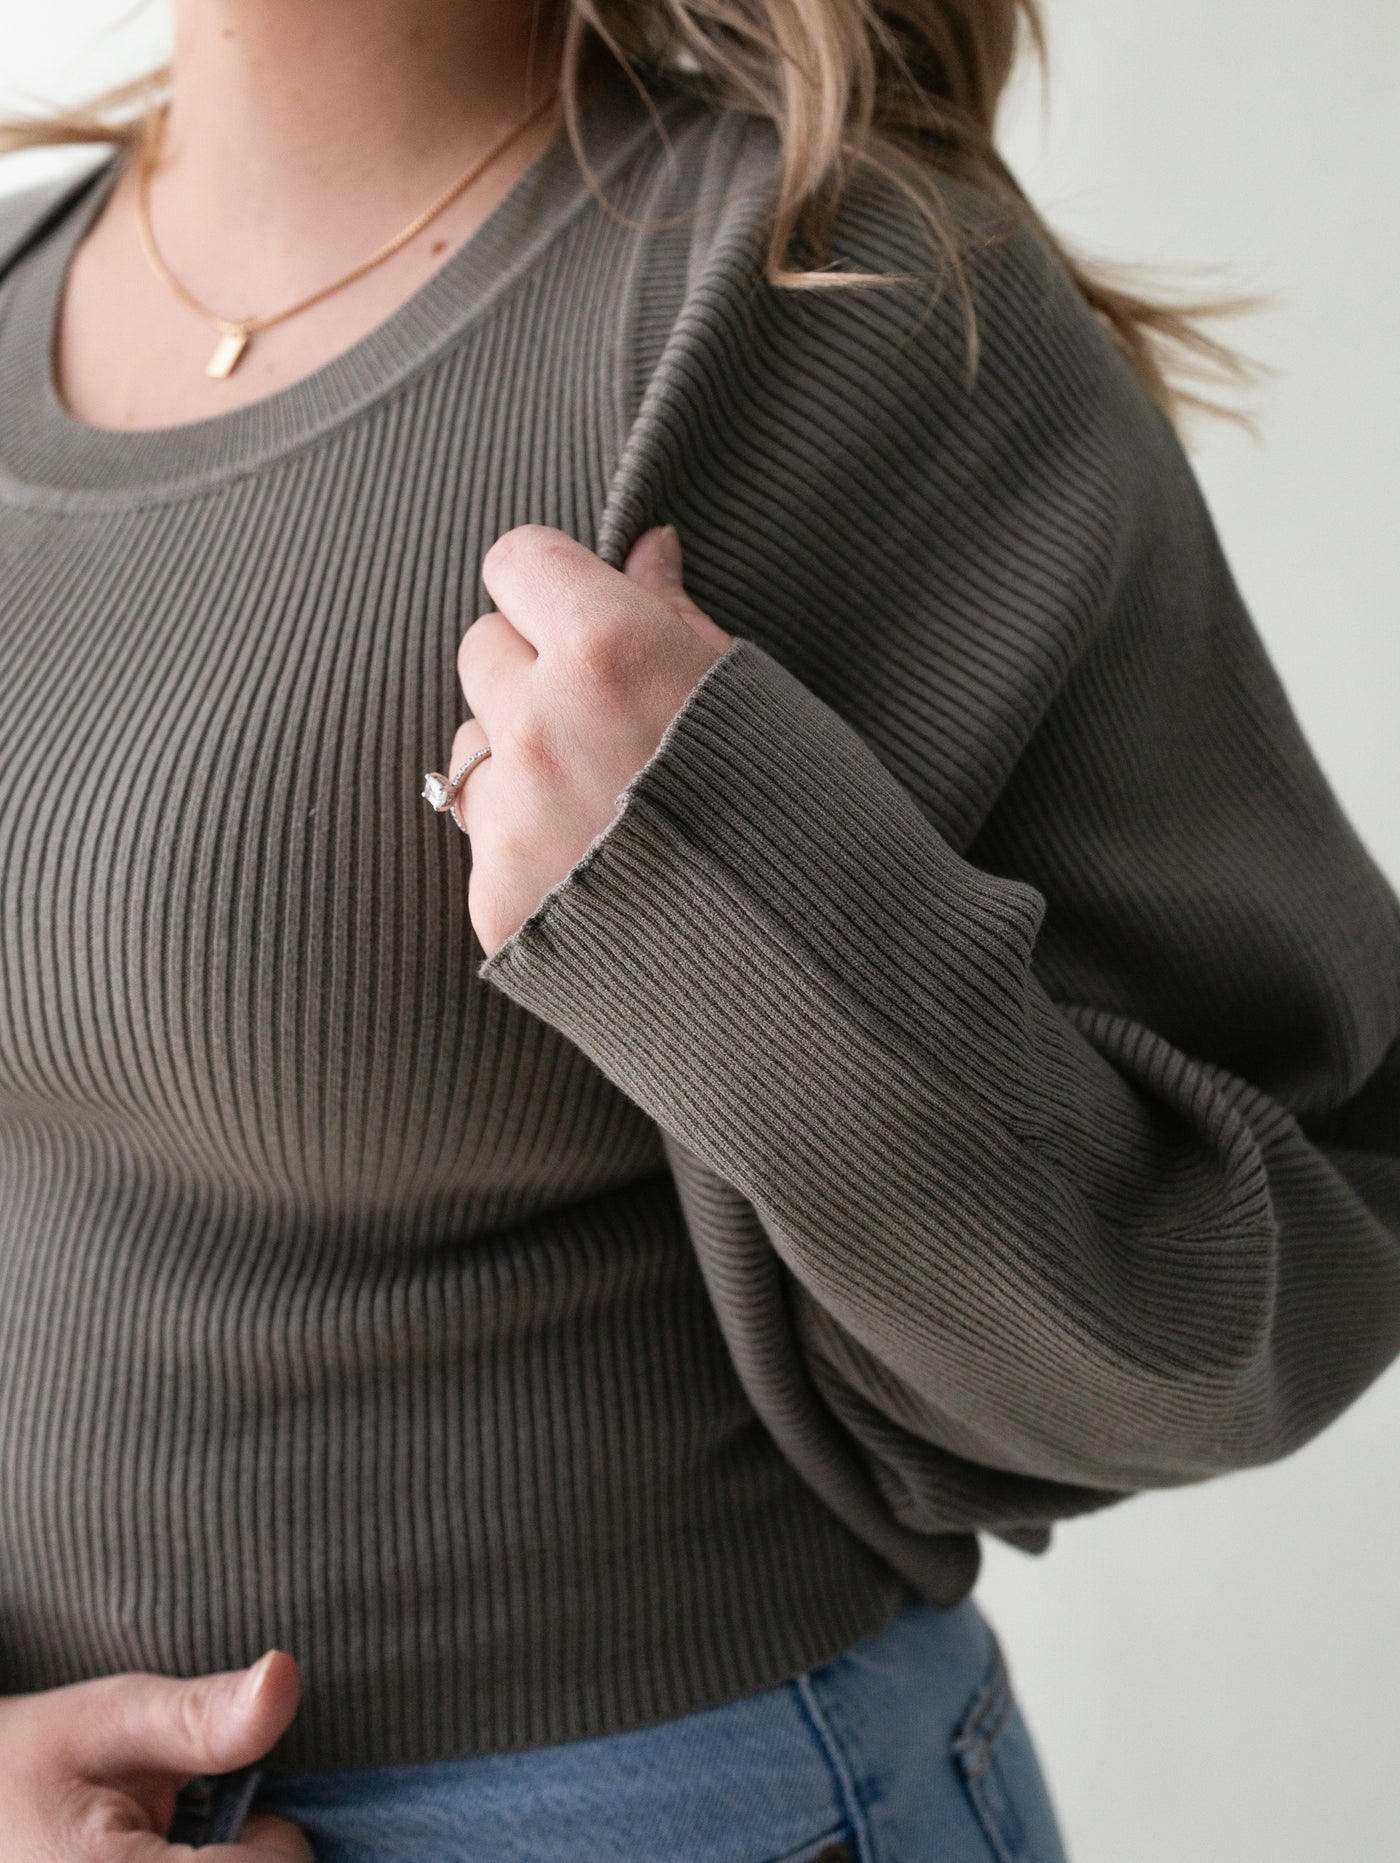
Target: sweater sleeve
1082	1144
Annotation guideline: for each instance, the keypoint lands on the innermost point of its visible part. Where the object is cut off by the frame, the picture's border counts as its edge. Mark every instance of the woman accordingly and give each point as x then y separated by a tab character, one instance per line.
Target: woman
932	1061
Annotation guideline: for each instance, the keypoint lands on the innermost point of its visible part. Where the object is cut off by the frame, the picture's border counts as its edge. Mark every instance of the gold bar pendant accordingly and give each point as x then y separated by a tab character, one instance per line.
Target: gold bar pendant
225	358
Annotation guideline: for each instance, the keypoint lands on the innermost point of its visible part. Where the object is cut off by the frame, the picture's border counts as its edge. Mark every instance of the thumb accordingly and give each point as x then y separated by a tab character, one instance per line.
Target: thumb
655	561
204	1723
274	1840
269	1837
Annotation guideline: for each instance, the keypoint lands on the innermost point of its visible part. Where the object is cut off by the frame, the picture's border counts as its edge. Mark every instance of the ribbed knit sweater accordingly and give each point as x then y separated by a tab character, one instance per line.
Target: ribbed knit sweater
960	1087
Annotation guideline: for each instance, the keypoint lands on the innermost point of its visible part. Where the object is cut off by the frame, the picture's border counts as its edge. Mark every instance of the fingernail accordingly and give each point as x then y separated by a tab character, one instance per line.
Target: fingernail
669	553
253	1681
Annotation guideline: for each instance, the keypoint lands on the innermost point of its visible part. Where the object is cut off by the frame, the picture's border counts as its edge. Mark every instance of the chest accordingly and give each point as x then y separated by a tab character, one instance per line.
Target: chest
229	922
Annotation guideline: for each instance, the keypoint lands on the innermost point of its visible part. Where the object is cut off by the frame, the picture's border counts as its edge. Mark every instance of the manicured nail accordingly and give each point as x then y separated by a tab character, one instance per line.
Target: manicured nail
253	1681
669	553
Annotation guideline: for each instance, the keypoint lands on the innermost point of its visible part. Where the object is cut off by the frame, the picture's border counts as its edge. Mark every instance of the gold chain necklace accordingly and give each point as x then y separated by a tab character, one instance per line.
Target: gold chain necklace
235	334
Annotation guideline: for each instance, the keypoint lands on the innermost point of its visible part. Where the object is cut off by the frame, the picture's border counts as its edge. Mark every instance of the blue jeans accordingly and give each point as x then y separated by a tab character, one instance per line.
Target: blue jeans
908	1748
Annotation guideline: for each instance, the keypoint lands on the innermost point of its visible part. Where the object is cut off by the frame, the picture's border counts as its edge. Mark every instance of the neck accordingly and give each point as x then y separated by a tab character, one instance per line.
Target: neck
292	117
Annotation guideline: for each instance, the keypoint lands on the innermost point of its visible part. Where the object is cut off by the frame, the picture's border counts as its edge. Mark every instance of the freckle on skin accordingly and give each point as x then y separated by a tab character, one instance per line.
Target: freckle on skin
439	245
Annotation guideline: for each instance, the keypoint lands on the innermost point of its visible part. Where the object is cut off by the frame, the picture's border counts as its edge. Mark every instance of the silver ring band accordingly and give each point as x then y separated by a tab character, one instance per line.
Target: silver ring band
442	791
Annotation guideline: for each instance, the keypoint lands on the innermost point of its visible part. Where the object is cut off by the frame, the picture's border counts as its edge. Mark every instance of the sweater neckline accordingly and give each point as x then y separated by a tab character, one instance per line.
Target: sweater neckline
48	454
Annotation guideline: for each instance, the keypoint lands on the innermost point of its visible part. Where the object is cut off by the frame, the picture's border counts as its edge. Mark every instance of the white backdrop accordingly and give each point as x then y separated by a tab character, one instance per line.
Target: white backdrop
1213	1674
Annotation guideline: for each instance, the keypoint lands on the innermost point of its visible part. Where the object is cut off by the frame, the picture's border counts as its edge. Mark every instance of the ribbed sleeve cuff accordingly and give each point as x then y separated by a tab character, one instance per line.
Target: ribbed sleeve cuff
768	885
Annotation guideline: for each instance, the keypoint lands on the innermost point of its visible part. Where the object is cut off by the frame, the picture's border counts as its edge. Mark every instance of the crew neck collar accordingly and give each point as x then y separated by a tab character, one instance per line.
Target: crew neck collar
48	455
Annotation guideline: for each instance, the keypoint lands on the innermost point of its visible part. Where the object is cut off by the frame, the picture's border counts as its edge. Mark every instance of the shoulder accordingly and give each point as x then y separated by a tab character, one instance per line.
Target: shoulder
993	287
867	364
842	429
994	344
984	366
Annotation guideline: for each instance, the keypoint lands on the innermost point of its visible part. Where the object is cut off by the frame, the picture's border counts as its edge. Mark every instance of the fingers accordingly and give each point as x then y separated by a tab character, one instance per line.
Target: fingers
140	1723
550	584
655	563
491	659
264	1837
471	735
555	589
267	1837
655	559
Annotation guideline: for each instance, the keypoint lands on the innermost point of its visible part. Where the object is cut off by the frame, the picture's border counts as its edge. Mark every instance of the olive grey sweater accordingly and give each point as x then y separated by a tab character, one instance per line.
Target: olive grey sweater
960	1088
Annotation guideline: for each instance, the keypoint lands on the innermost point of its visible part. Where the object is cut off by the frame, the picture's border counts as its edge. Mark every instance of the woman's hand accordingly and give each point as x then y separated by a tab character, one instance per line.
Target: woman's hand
90	1773
572	684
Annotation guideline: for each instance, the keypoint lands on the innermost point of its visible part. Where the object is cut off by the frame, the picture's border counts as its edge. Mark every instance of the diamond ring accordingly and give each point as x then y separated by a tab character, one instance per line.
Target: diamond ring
441	791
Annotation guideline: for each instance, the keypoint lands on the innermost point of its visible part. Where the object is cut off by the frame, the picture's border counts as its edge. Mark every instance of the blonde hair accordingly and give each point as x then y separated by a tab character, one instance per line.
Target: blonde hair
909	88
